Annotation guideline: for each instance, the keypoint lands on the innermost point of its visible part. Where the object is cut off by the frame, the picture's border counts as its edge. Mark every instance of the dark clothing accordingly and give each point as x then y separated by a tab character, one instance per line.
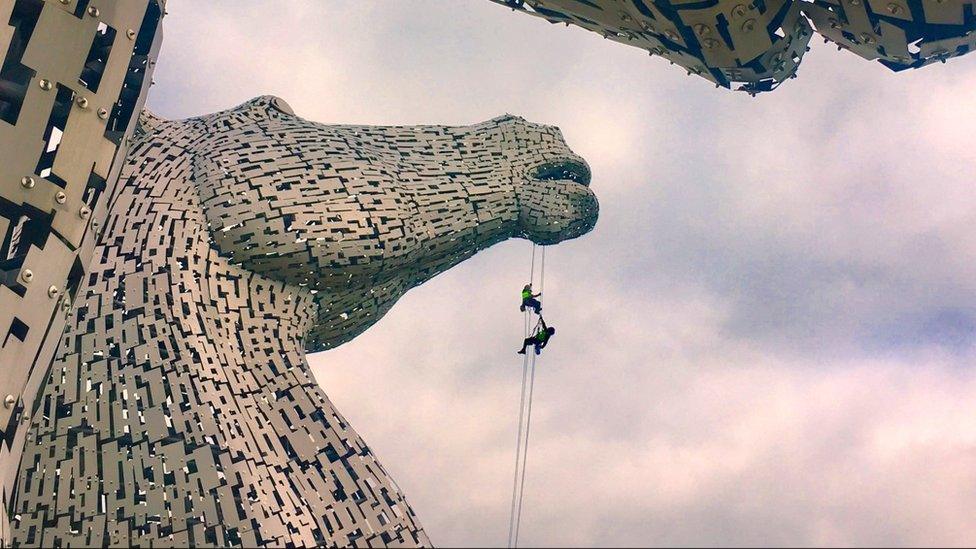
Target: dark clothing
531	303
540	339
539	345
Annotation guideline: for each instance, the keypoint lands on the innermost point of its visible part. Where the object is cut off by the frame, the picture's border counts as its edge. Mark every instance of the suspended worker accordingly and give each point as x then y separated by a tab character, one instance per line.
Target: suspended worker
540	339
529	299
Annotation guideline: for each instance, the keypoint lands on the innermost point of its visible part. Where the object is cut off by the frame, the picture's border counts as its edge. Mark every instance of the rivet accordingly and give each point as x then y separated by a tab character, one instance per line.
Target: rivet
52	292
131	34
748	25
27	182
738	11
60	197
65	303
702	29
27	275
65	2
709	43
855	2
84	212
102	113
44	84
93	11
82	102
894	9
9	401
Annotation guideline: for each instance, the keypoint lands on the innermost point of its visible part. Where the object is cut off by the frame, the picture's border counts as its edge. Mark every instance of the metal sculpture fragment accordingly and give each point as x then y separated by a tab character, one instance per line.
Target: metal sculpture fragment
73	80
759	44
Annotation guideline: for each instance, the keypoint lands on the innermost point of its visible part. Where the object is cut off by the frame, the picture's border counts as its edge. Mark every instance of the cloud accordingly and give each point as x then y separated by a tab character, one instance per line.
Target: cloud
657	431
766	340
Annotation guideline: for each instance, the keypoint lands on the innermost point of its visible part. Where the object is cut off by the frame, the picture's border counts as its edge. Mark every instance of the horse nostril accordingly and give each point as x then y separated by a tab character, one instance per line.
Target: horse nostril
563	170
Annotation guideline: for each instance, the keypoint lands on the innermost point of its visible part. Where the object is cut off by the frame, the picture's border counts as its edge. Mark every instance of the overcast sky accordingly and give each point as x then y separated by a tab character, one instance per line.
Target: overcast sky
767	339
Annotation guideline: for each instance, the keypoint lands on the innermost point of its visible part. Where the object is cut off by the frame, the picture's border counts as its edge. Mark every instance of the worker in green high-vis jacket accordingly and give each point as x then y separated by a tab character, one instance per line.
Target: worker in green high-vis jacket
529	299
540	339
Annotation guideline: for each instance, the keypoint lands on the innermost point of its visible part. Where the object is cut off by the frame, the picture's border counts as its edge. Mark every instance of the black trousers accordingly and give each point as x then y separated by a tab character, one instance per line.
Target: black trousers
539	345
531	303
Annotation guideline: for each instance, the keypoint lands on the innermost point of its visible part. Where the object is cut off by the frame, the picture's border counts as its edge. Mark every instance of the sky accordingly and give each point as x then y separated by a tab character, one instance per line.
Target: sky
768	339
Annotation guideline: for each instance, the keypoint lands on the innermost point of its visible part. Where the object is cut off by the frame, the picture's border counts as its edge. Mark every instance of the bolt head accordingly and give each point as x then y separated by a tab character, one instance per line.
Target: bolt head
82	102
27	275
103	113
84	212
44	84
27	182
93	11
52	292
131	34
60	198
9	401
748	25
65	2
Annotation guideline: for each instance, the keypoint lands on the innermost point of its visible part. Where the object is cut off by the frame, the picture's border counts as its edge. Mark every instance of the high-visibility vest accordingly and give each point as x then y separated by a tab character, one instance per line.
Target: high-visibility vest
526	294
542	335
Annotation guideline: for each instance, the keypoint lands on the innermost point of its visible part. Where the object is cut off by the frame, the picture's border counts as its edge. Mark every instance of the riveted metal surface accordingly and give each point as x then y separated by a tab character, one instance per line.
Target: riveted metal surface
52	155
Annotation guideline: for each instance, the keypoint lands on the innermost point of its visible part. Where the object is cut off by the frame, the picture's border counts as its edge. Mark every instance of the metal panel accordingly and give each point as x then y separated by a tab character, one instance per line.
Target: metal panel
73	80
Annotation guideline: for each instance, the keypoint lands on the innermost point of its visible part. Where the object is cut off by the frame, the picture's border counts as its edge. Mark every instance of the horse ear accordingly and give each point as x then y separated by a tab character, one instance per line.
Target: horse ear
147	122
264	106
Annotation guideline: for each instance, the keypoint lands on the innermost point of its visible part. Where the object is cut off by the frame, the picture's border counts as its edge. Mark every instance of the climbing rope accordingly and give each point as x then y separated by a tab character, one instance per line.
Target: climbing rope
525	410
521	415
